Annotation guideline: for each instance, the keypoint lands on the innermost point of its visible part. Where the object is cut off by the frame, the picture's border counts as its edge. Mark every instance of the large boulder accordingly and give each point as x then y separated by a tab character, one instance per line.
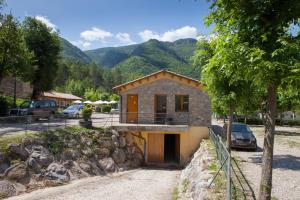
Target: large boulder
57	172
129	140
40	154
30	141
34	165
122	142
70	154
17	151
107	164
85	167
119	156
105	144
7	189
102	152
114	132
17	172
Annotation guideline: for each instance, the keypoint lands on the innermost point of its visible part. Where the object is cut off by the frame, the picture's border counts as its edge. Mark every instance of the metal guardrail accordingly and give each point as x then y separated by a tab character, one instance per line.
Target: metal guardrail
224	158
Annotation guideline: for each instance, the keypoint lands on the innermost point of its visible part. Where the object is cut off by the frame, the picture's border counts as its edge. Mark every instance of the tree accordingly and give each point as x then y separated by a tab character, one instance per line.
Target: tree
45	45
15	58
262	27
227	90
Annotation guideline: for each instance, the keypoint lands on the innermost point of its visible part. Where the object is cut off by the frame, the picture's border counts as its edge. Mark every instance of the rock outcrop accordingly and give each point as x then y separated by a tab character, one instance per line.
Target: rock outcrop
53	159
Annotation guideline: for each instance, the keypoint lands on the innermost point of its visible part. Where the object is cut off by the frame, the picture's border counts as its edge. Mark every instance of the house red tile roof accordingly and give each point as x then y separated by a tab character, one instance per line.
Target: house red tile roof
61	95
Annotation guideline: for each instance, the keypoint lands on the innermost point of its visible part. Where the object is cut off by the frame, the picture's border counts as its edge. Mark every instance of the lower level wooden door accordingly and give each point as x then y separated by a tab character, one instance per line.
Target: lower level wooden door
156	147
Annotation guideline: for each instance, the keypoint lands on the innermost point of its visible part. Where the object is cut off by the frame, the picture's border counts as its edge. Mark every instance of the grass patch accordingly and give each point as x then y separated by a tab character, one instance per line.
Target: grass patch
218	190
175	193
185	184
274	198
5	140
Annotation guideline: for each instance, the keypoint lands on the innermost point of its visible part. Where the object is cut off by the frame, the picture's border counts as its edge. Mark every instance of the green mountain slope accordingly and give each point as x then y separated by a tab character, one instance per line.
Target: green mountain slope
140	59
71	52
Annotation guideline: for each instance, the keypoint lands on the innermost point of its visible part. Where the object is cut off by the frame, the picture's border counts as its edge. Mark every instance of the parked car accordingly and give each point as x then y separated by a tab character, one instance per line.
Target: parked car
38	108
114	111
73	111
241	136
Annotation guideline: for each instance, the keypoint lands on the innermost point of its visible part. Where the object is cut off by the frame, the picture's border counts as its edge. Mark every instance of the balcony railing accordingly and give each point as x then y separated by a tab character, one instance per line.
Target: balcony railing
154	118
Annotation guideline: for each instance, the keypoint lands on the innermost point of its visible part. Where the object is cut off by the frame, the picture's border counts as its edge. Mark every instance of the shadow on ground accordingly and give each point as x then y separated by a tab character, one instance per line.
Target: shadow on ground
280	161
287	133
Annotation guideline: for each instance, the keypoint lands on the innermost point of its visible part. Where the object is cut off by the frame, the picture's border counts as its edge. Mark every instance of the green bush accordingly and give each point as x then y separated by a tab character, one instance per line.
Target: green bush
106	108
4	106
87	112
293	122
251	121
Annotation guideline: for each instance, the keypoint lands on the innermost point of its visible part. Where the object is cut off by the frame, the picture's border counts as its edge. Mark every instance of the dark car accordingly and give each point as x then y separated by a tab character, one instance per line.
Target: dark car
241	136
38	108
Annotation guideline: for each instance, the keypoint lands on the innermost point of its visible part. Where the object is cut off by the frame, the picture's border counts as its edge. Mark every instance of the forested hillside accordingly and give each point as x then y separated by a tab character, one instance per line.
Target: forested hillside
140	59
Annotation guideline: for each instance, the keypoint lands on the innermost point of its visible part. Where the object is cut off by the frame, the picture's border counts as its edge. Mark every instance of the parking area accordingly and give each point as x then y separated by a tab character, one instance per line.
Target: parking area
286	163
10	128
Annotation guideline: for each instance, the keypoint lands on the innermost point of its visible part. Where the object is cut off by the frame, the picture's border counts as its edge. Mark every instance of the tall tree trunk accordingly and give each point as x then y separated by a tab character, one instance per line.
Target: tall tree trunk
229	127
267	159
15	90
228	144
35	93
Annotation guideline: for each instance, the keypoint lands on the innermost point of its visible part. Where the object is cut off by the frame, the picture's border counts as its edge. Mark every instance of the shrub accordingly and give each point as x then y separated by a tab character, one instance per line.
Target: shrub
87	112
3	106
106	108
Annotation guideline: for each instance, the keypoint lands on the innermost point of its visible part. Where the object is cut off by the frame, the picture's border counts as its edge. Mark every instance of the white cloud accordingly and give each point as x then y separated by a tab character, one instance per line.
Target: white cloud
148	34
124	38
81	44
171	35
46	21
95	34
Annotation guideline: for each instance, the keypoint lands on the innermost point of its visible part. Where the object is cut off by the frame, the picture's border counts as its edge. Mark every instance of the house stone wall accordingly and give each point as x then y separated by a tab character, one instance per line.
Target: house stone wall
199	103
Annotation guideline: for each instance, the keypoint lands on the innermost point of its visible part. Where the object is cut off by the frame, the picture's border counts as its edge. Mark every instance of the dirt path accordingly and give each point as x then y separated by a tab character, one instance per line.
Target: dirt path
138	184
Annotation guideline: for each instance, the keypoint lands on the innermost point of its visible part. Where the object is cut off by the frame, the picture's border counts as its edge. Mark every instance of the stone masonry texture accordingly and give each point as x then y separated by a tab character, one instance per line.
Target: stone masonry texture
199	103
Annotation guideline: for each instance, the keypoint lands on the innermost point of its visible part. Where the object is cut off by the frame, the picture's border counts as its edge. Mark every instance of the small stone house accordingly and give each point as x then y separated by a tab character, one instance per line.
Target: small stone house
167	114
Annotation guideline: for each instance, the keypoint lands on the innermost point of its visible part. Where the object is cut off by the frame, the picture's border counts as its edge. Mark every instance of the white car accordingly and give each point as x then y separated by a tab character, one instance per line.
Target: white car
73	111
114	111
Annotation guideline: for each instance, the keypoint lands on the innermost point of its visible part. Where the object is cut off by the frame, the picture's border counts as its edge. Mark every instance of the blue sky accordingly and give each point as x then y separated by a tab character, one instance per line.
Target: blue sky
92	24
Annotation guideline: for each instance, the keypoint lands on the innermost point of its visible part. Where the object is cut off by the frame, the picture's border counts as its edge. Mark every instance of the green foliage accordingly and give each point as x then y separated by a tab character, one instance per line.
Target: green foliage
92	95
7	102
45	45
3	106
71	52
15	58
114	97
104	96
141	59
106	108
87	112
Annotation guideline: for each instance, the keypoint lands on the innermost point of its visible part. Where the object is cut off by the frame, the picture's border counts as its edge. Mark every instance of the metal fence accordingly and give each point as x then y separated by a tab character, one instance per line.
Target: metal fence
154	118
224	158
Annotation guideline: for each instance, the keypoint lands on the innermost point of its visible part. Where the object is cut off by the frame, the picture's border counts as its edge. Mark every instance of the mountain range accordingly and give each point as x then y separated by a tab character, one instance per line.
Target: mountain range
139	59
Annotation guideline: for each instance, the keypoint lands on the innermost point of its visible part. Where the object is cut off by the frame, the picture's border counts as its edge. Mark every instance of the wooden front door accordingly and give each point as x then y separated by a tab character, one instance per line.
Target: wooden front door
156	147
132	108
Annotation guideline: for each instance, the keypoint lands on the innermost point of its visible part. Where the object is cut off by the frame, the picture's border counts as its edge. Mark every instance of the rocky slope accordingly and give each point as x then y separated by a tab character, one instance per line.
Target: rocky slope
57	157
195	178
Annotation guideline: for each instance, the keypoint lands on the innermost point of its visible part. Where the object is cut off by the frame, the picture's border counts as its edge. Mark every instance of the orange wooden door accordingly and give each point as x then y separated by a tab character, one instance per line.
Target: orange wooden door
132	108
156	143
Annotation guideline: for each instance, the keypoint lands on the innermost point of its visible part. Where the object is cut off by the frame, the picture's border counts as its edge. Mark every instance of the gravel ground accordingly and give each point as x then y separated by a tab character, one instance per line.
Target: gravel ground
141	184
286	163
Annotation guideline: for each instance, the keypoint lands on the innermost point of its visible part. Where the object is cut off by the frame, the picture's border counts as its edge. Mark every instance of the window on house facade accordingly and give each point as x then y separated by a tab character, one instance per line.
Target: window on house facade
181	103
